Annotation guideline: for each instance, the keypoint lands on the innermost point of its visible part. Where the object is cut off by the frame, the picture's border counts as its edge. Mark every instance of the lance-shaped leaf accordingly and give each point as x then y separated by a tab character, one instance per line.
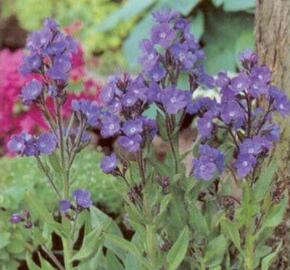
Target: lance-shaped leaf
230	230
178	251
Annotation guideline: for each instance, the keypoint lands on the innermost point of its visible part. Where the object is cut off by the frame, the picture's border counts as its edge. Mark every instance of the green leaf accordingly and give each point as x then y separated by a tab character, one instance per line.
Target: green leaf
91	243
267	261
237	5
263	184
128	247
15	246
215	251
220	39
230	230
45	265
217	3
30	263
4	239
54	162
276	214
130	9
131	49
197	25
244	41
178	251
112	262
40	211
198	221
183	6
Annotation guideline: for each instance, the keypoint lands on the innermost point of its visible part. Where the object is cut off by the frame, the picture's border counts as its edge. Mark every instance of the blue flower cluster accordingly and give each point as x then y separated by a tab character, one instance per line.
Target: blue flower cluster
82	200
29	145
49	62
50	53
241	112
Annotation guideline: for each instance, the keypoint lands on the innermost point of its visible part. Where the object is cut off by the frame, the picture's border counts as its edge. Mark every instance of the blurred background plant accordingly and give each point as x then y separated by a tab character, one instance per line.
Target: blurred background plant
112	30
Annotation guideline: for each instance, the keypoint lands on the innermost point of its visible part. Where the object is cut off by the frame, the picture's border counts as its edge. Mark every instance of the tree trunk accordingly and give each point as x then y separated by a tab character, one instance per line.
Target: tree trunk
272	31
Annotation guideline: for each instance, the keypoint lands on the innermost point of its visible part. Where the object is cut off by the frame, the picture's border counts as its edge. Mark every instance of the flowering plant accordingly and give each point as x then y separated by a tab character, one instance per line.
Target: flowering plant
218	215
15	117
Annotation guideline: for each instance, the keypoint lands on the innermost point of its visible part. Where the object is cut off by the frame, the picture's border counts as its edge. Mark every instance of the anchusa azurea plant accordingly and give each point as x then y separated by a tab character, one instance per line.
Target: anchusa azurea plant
220	214
16	117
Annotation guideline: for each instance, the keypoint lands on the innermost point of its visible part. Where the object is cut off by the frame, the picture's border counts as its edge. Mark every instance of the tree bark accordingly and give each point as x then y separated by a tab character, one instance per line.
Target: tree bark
272	32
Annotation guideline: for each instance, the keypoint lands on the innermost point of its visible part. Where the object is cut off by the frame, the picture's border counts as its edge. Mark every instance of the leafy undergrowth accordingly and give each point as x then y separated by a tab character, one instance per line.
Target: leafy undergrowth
20	175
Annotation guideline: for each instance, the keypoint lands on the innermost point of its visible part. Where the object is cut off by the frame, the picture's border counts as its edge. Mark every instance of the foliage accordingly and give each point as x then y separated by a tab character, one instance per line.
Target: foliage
217	214
20	175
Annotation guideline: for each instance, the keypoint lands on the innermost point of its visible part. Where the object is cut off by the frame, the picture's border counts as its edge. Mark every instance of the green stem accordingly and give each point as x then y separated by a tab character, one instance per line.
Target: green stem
172	144
67	255
151	244
60	131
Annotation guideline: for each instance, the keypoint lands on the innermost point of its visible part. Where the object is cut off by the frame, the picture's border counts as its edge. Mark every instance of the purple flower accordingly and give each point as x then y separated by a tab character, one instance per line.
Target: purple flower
37	41
271	132
149	126
50	24
227	94
64	206
280	101
23	144
153	92
209	163
157	73
130	143
108	92
17	143
31	91
82	198
89	109
249	146
115	106
248	58
109	163
231	112
92	113
60	69
52	90
205	126
129	99
46	143
258	88
31	148
244	164
16	218
173	100
261	73
240	83
200	104
282	105
222	79
132	127
110	126
149	57
183	56
162	34
165	15
31	63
